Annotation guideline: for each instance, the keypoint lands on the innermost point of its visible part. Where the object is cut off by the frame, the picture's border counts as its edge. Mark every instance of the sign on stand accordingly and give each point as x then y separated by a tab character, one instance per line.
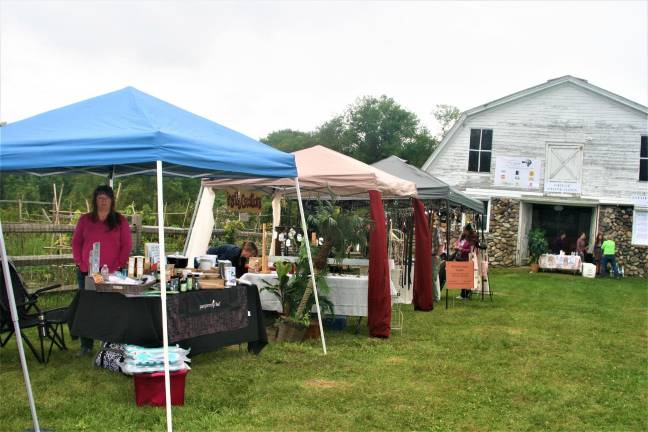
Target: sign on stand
459	275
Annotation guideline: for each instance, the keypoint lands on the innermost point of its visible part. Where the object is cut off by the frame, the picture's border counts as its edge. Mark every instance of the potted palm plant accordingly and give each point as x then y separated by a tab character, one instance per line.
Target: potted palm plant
289	289
339	228
537	245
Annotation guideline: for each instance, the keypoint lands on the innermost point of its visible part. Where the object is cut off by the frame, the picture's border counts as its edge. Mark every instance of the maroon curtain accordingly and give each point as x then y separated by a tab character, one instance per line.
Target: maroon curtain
379	295
423	254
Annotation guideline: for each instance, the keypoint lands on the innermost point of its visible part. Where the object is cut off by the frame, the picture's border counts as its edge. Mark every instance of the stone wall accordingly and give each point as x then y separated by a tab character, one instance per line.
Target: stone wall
503	232
616	221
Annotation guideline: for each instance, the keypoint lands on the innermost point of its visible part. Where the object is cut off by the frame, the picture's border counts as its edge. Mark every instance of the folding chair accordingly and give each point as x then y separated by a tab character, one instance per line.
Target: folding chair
49	323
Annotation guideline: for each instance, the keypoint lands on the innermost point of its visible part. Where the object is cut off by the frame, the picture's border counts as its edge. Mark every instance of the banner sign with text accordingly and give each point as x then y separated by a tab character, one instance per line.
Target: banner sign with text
517	172
243	201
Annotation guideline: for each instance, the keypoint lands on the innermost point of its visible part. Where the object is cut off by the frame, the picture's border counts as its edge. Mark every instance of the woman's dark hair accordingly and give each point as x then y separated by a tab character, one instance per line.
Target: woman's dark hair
114	218
468	227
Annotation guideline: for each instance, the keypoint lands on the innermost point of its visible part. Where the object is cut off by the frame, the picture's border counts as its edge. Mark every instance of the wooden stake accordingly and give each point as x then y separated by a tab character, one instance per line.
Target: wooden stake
264	257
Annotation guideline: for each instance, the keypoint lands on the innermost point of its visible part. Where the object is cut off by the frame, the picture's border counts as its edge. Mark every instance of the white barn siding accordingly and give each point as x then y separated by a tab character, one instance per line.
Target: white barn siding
610	132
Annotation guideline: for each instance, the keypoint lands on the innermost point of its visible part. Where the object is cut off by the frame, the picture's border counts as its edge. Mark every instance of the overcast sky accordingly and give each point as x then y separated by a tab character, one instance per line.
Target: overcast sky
263	66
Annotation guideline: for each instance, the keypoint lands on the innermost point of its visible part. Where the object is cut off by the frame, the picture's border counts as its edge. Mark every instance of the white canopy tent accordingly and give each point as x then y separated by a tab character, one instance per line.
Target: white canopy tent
321	171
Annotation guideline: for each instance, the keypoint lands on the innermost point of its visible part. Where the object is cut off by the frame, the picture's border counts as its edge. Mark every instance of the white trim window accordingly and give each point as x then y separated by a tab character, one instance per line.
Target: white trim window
479	155
643	159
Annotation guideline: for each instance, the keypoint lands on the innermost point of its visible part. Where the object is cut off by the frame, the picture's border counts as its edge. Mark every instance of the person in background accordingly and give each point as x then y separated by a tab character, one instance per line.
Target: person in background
111	230
559	243
237	255
466	243
597	252
581	246
608	255
438	247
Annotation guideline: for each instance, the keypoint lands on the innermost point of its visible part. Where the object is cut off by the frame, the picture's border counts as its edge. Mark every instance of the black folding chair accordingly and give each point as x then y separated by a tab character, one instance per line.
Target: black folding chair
49	323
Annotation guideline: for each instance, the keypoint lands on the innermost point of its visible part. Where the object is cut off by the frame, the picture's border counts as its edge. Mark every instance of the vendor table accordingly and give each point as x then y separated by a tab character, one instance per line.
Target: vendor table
201	320
560	262
348	293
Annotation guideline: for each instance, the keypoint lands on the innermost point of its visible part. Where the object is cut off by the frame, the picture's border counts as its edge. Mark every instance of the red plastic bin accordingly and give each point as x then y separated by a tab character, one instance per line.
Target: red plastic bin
149	388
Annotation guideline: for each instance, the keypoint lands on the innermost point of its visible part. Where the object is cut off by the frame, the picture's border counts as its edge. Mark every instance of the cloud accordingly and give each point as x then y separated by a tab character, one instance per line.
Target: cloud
262	66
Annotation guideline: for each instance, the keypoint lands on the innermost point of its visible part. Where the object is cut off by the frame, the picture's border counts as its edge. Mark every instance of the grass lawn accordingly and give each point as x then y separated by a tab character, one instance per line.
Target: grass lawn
551	352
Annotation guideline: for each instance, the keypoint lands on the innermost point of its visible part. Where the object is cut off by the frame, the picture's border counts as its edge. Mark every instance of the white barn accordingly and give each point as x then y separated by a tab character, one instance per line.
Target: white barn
563	156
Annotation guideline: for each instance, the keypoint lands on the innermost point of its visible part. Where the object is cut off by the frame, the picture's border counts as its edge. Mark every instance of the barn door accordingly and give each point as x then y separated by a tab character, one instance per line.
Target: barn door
524	227
564	168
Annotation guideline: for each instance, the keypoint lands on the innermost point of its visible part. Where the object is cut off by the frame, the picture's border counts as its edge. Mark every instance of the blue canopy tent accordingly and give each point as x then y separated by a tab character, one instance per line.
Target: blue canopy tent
130	132
126	132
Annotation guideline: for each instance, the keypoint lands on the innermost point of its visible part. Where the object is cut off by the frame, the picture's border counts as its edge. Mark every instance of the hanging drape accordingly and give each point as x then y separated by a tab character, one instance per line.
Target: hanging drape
423	254
379	295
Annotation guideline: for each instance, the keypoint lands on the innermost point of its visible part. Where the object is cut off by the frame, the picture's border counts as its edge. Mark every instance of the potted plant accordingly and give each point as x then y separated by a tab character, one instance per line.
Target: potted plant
339	228
537	245
289	289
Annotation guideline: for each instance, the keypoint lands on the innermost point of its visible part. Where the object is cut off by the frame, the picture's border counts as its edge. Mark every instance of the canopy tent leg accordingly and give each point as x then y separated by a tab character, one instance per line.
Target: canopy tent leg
310	263
165	336
14	318
111	177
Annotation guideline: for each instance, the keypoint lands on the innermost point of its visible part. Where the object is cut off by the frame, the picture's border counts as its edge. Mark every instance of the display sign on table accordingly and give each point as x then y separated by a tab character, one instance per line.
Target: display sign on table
517	172
459	275
243	201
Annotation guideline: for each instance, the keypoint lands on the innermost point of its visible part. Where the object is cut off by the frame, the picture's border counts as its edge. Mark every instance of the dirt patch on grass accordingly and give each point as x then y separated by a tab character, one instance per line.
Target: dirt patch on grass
516	331
395	360
319	383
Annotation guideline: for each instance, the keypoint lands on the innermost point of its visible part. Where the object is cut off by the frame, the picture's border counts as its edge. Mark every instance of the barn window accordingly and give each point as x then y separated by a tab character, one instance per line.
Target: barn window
481	144
643	159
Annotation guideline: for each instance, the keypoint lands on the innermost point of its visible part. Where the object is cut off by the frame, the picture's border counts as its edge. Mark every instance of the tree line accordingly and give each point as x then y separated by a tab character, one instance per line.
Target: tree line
370	130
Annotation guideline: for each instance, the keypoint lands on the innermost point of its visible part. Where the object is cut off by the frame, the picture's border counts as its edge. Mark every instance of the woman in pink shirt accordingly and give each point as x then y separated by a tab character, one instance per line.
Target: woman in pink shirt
111	230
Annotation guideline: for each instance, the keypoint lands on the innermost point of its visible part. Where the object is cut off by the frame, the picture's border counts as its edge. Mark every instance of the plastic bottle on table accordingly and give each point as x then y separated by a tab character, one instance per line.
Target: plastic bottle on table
105	272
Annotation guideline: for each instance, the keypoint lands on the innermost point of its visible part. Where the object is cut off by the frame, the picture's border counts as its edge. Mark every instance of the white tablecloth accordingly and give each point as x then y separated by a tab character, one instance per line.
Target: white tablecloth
348	293
560	262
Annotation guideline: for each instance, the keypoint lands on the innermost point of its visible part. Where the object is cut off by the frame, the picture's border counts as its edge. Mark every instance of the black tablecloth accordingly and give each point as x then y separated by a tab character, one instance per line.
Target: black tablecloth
201	320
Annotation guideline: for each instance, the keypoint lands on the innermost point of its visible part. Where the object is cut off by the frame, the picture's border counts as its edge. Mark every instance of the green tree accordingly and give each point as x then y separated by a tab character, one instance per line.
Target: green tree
289	140
374	128
446	115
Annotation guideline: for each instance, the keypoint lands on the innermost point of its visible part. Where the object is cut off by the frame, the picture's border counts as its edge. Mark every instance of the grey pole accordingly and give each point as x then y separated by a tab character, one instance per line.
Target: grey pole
310	263
14	318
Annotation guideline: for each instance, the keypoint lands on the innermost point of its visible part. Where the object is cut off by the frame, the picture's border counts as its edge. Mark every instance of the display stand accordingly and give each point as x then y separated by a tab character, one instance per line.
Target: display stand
459	275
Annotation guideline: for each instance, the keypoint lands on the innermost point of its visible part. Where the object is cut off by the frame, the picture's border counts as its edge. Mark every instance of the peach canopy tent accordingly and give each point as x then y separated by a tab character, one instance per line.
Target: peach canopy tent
321	171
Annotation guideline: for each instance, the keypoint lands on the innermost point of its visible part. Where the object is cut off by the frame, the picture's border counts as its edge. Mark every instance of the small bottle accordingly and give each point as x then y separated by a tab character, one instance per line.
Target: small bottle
189	282
105	272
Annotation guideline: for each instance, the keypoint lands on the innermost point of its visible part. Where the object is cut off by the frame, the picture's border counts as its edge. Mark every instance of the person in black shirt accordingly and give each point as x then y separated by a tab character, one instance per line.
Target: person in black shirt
560	244
237	255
